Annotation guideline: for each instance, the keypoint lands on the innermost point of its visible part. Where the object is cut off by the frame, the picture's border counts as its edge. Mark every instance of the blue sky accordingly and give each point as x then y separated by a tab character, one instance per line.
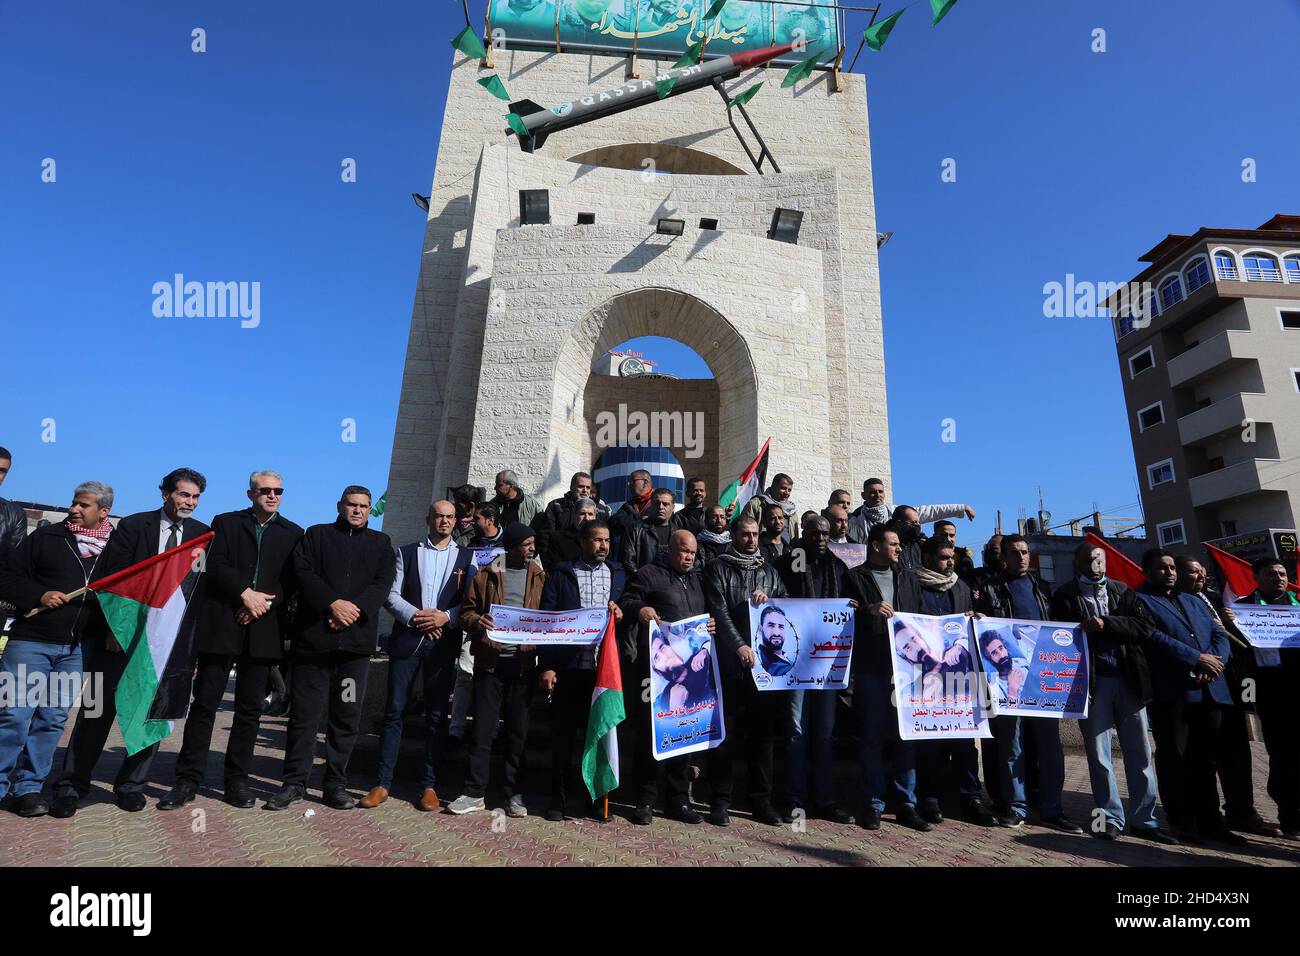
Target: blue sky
225	166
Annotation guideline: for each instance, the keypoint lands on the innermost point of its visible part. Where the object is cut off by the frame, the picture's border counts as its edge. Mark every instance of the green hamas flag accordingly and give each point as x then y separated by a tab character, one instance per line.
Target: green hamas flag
664	85
378	509
877	33
940	10
746	96
517	124
717	8
494	86
691	56
467	42
800	71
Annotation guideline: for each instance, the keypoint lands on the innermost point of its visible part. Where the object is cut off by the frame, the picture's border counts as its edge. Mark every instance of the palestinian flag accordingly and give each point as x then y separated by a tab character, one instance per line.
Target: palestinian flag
1119	565
145	606
752	481
600	754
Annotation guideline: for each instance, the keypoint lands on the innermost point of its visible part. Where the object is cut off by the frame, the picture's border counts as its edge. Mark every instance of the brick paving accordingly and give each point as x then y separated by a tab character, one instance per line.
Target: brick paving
210	833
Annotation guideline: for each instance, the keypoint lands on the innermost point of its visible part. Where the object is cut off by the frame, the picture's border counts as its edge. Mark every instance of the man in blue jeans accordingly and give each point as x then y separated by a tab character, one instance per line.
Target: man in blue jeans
1117	624
1016	593
432	579
42	664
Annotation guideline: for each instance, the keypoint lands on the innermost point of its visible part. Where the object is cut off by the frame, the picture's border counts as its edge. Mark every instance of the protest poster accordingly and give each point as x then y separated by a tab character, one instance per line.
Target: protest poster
485	556
685	691
1034	668
1268	626
801	643
936	679
850	554
520	625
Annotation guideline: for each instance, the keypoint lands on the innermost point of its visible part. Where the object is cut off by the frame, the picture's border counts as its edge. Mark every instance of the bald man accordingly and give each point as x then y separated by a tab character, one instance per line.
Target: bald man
433	577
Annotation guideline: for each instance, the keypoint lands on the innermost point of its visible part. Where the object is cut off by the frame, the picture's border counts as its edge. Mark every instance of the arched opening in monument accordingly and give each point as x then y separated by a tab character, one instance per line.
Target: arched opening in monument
707	423
666	157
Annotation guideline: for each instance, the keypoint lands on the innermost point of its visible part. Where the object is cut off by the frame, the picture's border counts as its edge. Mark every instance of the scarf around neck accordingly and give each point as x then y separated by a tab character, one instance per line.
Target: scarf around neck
742	562
934	581
787	506
714	537
90	541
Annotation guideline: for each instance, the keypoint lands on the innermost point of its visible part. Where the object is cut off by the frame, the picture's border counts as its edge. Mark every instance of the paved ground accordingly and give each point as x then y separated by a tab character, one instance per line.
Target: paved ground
209	833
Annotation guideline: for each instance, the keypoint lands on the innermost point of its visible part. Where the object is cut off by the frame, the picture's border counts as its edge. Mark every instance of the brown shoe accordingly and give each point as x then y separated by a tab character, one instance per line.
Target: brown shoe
429	801
374	798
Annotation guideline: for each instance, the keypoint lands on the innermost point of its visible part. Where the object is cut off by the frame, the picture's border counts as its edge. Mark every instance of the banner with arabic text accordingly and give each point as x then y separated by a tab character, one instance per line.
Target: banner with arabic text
1034	668
801	643
936	678
1268	626
685	692
520	625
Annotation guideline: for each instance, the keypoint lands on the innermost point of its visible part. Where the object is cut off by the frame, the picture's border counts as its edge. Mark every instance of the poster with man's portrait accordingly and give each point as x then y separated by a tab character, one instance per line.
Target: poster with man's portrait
936	679
801	644
685	692
1034	668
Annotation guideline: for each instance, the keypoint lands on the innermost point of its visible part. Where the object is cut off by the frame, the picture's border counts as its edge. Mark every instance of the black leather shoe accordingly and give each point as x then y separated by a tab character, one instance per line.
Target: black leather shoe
765	813
685	814
931	813
30	805
180	795
1226	837
791	811
869	819
642	816
239	795
1061	823
339	799
63	807
132	802
832	814
973	811
1155	835
908	817
719	816
280	800
555	813
1109	832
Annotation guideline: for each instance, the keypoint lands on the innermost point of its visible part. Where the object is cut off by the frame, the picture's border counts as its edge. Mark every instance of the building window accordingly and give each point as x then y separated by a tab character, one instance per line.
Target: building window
1171	533
1292	265
1171	292
1197	275
1295	374
1289	318
1225	266
1261	267
1161	473
1151	416
1137	364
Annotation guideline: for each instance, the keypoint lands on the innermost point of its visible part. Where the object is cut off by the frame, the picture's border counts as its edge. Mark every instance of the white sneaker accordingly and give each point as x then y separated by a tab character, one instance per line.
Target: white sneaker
466	804
516	808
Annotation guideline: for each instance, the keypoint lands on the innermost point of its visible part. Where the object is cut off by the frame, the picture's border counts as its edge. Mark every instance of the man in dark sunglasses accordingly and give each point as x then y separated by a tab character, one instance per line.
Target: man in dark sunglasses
250	579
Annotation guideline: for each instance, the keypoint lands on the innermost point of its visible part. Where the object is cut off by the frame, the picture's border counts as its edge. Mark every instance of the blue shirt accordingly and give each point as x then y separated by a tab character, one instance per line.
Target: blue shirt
1023	603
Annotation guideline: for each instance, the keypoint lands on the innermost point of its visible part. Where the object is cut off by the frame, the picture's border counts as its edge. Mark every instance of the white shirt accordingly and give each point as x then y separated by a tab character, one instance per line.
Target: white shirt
165	530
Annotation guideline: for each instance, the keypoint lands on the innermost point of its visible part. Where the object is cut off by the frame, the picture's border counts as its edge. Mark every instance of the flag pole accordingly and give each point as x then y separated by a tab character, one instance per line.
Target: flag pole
605	806
71	594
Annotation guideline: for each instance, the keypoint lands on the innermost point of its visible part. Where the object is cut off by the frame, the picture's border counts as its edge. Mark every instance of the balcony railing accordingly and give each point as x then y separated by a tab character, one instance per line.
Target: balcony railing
1227	272
1263	274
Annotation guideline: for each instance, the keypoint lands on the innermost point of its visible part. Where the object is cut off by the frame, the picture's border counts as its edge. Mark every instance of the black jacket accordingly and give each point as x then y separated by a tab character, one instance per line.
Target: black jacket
727	590
871	643
334	561
640	547
961	597
1128	627
47	560
232	562
688	519
995	598
13	526
136	538
673	596
707	552
798	584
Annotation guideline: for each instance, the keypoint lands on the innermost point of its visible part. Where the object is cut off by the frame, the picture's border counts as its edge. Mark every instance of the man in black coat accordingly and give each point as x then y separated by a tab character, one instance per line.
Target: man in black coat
562	513
737	578
51	564
1119	687
242	623
668	590
646	540
344	572
880	586
136	537
715	538
943	592
809	570
692	515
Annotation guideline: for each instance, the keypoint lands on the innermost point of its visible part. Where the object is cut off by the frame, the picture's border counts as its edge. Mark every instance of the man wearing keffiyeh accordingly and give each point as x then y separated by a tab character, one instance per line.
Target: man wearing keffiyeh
51	564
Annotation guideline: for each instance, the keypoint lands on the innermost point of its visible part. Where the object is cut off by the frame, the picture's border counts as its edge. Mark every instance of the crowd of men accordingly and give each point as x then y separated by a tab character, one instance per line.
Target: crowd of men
300	609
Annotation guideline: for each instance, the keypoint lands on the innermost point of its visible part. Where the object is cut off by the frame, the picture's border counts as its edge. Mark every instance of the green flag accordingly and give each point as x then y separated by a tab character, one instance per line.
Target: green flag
664	85
494	86
717	8
382	503
746	96
467	42
877	33
940	10
800	71
517	123
691	56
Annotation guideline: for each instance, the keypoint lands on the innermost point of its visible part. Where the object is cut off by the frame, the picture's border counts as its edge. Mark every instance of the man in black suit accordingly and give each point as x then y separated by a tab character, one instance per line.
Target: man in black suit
345	571
137	537
242	623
